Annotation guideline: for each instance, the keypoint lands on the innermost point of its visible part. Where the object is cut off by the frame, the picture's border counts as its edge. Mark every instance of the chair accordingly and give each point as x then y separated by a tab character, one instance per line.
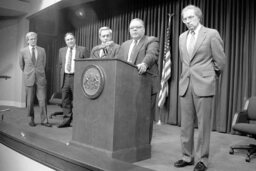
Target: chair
56	99
244	123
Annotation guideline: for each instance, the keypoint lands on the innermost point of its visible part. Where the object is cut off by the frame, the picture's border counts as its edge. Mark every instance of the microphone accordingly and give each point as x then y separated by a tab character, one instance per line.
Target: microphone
106	45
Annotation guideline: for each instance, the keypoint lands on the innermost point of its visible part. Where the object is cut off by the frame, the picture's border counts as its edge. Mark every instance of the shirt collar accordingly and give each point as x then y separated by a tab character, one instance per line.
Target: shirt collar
73	48
137	41
197	29
30	47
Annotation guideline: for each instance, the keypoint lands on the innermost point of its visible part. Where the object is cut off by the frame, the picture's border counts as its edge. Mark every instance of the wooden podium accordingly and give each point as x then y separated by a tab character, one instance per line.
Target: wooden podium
112	109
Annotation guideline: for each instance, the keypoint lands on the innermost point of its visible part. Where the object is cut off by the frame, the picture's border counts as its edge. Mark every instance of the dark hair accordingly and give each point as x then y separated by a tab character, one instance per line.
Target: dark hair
69	33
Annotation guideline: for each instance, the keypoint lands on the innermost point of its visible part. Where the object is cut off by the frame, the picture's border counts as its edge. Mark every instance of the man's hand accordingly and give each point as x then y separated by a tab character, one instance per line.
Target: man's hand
142	68
105	45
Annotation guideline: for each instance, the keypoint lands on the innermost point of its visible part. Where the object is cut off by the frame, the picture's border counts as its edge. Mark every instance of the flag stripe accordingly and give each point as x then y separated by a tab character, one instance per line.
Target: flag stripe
166	71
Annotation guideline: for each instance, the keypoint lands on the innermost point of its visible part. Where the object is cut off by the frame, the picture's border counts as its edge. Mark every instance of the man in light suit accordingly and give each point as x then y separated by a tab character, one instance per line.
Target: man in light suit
32	62
107	48
203	59
67	64
143	51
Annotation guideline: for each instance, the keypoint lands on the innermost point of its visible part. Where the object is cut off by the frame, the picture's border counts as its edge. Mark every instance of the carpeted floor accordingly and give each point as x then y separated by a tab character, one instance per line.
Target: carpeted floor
165	144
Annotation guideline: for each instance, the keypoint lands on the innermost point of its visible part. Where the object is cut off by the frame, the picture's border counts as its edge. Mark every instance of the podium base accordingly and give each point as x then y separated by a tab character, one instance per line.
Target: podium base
130	155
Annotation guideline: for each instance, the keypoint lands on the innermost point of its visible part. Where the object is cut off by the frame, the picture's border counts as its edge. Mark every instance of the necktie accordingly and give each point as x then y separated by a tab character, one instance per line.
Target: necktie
33	56
103	53
130	58
69	60
191	44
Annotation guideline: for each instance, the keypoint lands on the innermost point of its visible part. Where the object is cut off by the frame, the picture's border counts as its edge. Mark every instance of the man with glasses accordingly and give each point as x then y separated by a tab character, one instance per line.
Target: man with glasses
202	56
143	51
107	48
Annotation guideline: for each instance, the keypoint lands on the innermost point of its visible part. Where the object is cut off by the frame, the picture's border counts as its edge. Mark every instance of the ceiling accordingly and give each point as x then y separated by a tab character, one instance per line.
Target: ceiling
11	9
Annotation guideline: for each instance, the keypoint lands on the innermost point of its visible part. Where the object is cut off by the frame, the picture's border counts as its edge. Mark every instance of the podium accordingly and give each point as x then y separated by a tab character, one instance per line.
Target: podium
111	109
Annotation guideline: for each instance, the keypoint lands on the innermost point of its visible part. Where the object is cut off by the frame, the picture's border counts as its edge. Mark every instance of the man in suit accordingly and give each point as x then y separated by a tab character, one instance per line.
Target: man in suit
107	48
32	62
67	64
143	51
203	59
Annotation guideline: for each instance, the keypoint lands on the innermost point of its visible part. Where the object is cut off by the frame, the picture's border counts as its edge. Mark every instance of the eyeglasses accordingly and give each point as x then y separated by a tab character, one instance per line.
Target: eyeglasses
189	18
135	27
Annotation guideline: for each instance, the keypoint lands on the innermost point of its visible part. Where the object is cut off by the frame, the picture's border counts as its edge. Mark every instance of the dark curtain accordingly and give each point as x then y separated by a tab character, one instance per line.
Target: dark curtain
234	19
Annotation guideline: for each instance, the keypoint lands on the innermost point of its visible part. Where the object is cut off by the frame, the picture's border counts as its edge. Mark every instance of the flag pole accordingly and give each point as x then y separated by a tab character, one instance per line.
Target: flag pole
164	84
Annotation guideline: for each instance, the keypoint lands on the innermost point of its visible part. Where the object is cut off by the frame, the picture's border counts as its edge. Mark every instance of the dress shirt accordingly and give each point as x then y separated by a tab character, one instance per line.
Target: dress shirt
30	50
131	48
72	61
196	34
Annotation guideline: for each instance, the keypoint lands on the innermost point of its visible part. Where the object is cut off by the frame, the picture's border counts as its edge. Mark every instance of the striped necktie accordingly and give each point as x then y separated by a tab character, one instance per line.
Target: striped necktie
33	56
69	60
191	44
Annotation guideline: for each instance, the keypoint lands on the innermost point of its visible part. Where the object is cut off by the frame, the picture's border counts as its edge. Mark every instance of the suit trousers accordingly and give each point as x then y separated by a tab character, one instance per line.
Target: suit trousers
67	95
41	97
192	107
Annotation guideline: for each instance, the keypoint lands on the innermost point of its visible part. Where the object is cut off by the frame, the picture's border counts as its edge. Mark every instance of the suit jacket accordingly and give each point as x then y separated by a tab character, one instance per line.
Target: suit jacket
81	52
33	73
112	51
205	65
147	51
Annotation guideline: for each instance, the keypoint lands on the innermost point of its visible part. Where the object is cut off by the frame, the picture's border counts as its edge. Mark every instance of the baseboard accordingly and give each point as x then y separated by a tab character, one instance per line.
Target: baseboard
12	103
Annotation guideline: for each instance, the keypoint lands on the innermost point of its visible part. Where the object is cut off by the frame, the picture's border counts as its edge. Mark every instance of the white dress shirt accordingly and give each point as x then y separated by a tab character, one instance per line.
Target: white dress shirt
72	61
36	52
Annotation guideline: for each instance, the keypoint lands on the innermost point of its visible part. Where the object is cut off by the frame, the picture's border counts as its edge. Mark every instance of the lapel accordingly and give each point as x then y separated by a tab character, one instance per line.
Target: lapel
200	38
110	49
30	55
137	49
27	51
39	54
97	52
77	52
64	53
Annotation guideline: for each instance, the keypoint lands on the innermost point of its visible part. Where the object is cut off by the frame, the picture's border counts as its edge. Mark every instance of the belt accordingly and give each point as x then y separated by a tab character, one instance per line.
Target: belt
69	73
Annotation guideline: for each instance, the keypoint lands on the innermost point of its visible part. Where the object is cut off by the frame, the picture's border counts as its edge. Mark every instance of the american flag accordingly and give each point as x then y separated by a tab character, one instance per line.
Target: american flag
166	71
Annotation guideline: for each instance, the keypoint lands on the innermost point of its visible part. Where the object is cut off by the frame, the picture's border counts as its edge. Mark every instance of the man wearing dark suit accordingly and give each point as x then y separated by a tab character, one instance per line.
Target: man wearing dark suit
32	62
107	48
67	64
143	51
203	59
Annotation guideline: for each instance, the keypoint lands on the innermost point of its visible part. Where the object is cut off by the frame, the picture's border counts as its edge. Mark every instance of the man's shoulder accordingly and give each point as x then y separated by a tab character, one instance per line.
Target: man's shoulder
80	47
151	39
127	41
115	45
184	33
40	48
24	49
63	48
96	47
211	30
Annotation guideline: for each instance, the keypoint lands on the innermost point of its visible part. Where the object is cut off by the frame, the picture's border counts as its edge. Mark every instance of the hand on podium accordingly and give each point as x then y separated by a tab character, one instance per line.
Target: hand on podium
142	67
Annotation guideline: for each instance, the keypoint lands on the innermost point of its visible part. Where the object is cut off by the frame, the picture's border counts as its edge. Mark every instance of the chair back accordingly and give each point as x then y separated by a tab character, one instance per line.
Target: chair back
252	108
